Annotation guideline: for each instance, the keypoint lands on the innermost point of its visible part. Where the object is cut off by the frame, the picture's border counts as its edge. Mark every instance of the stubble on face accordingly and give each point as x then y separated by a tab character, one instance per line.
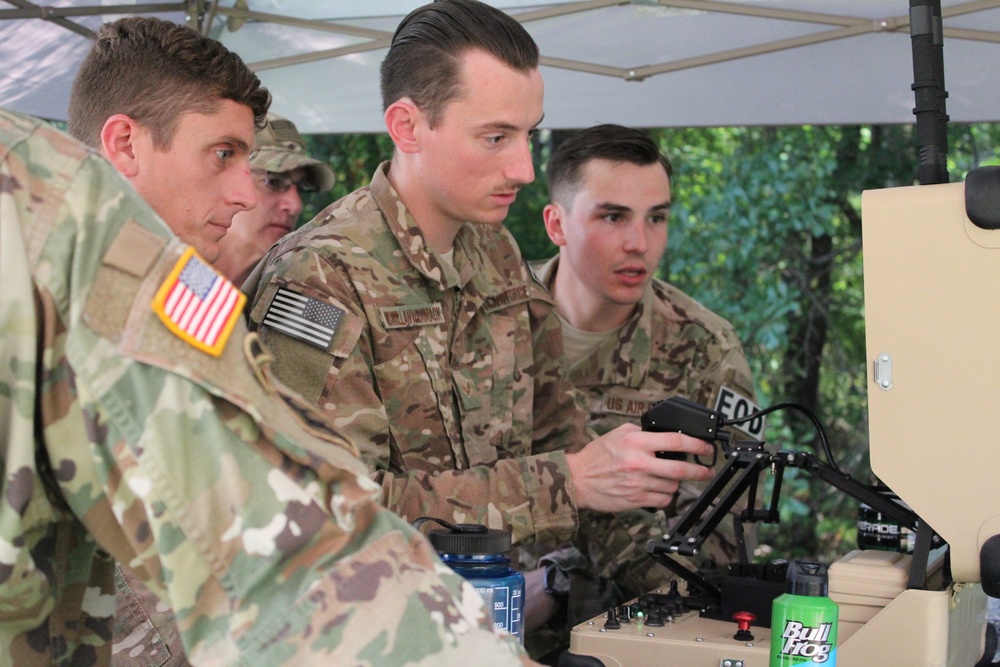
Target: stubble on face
202	179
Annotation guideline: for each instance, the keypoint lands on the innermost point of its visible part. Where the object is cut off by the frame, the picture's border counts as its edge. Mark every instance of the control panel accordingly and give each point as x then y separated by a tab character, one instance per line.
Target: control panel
657	627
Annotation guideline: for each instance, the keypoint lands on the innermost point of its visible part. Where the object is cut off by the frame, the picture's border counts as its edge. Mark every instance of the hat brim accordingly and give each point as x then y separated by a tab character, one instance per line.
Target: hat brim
279	160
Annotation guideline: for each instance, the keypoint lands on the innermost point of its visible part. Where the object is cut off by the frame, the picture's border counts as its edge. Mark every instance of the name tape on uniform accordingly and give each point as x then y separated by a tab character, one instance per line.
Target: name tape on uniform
414	315
303	318
198	305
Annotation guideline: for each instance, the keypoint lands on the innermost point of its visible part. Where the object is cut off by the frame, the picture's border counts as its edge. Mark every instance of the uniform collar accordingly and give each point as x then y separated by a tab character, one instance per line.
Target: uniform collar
411	238
621	361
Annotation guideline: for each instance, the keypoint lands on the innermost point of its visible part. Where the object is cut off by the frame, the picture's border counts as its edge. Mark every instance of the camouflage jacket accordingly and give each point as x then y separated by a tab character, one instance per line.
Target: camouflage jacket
449	379
122	440
671	346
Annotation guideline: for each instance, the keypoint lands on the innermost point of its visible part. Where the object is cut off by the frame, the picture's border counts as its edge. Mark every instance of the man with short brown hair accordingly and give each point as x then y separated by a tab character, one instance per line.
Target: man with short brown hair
406	312
175	112
631	341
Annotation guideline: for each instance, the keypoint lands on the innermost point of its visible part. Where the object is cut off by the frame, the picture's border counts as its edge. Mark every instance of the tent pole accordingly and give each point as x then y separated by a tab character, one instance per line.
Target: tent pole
194	10
926	38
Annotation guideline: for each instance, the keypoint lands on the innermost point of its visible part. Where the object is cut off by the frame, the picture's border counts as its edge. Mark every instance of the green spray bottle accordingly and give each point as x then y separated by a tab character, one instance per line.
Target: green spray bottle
804	619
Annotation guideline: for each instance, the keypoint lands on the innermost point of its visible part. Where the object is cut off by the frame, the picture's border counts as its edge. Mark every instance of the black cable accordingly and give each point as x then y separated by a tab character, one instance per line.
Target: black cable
795	406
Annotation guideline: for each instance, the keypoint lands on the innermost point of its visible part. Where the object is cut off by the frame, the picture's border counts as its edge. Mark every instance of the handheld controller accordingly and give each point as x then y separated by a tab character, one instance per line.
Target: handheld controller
679	415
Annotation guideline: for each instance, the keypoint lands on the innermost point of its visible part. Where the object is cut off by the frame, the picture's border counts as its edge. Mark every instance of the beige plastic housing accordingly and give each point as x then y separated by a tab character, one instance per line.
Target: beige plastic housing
916	629
932	306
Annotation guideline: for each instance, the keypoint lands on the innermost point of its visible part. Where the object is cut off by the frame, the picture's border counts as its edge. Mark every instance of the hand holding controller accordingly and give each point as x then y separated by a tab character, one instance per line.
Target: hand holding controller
679	415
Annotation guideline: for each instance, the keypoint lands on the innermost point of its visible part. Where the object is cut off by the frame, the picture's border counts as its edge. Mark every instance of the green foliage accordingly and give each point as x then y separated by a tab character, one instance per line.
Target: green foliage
354	158
767	233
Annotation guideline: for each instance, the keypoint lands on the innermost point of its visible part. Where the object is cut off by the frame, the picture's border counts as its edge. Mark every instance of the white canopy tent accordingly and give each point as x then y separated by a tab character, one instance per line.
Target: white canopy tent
647	63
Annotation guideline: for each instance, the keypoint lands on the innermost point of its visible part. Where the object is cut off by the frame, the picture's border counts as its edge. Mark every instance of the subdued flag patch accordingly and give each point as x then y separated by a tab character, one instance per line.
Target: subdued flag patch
309	320
198	305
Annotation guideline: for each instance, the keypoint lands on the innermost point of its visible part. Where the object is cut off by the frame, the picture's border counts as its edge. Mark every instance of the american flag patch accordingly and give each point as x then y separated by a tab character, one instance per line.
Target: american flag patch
305	319
198	304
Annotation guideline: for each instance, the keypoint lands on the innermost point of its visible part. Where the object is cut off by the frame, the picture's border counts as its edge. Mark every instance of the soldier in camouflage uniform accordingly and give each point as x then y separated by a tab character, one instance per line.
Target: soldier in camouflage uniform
406	313
174	111
631	341
146	632
282	172
130	433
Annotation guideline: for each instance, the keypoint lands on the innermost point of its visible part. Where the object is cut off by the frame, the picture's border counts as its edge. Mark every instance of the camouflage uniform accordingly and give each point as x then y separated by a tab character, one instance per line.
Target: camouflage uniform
145	630
121	439
449	378
670	346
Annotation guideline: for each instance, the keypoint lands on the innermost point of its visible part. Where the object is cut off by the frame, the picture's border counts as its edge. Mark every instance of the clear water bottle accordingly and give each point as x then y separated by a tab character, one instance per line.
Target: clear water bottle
481	556
804	620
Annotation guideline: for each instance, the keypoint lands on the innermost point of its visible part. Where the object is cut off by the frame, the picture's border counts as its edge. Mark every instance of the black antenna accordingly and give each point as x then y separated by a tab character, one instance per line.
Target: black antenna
926	38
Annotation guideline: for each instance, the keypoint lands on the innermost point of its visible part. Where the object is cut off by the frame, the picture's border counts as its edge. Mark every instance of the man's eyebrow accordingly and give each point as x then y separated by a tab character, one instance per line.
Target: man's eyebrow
510	127
236	143
610	206
621	208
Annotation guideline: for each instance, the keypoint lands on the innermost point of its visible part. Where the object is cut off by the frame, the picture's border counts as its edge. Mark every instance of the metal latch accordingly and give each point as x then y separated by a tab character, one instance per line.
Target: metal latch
883	370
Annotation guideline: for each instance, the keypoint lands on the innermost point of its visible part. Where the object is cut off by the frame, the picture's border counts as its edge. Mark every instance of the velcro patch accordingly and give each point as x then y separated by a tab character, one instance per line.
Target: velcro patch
419	315
733	405
198	305
303	318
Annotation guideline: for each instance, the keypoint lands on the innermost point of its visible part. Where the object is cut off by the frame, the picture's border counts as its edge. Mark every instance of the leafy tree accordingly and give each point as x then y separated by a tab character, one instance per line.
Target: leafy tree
354	158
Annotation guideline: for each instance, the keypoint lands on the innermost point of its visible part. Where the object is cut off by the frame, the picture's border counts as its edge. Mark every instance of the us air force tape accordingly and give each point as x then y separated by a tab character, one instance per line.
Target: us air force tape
733	405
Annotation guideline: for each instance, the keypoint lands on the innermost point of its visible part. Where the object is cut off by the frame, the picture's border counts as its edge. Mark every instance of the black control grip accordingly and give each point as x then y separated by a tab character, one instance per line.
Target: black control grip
679	415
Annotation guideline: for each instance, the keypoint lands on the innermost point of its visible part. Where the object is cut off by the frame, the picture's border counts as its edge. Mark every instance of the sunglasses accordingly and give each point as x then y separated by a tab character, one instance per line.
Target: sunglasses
280	183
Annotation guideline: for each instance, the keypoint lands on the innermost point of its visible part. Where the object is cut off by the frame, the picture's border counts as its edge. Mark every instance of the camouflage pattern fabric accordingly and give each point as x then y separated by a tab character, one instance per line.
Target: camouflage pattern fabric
280	148
448	377
671	346
225	492
145	629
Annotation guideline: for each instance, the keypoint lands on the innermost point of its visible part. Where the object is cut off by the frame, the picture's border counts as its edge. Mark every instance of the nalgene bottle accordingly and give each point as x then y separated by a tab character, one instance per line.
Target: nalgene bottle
481	556
804	619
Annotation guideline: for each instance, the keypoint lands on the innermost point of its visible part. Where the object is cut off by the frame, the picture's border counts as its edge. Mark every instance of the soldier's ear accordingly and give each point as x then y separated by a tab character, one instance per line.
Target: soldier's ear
554	215
118	143
403	120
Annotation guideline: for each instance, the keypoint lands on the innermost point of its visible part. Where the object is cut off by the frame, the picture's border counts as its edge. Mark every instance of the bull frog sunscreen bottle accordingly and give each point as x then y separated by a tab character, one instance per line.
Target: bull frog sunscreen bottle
804	619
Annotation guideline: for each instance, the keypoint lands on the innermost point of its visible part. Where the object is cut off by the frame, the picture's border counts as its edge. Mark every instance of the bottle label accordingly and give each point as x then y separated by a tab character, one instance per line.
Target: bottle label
803	631
803	641
506	603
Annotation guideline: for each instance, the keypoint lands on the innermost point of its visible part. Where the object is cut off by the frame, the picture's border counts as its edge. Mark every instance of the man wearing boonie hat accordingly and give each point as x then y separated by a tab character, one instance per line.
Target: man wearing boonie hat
281	172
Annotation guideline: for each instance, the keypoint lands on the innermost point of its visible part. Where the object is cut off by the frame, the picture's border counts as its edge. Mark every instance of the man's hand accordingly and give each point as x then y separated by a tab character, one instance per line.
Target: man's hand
619	471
